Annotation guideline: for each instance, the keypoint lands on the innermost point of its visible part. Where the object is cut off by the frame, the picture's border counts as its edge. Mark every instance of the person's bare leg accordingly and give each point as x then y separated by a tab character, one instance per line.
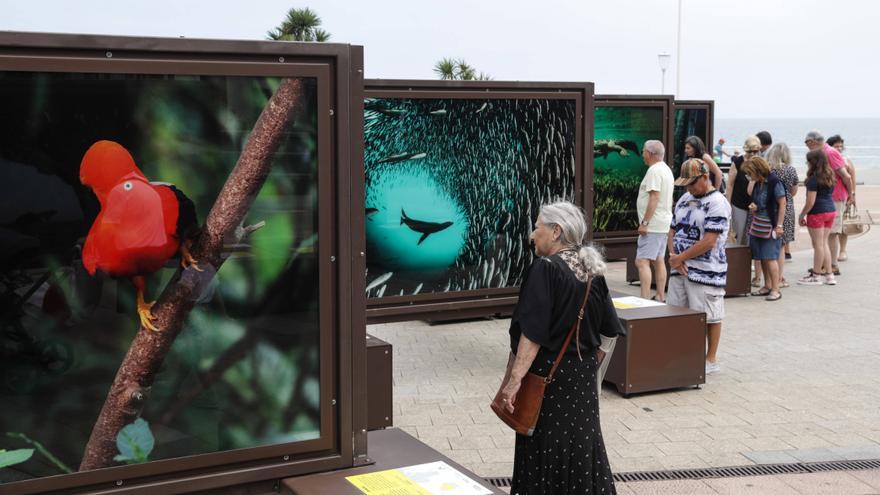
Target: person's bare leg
644	267
771	275
781	263
827	265
842	256
660	277
787	249
819	247
713	336
758	271
834	248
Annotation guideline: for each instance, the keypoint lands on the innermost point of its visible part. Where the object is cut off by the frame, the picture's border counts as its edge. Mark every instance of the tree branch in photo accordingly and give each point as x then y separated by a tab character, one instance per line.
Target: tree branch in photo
149	349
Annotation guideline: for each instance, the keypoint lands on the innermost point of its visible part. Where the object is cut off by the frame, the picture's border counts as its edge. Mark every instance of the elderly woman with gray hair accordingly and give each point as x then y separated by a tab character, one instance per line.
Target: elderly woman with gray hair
779	157
566	453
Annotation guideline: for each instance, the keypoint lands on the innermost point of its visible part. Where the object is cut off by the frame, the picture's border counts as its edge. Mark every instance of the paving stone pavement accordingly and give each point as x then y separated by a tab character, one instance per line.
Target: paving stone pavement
800	382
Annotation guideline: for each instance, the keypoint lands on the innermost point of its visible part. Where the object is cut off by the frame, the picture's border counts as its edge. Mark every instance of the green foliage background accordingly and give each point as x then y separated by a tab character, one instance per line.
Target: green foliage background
64	333
616	178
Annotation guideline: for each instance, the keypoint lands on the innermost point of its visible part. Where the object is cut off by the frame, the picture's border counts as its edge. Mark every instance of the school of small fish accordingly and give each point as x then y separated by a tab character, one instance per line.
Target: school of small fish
500	159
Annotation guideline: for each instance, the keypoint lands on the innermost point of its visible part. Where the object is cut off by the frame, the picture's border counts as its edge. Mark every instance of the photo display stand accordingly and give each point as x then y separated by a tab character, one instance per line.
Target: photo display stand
117	154
455	172
692	118
622	124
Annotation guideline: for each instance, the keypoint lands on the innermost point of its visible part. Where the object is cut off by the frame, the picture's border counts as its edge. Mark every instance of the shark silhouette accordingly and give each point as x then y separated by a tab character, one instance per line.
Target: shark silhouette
425	228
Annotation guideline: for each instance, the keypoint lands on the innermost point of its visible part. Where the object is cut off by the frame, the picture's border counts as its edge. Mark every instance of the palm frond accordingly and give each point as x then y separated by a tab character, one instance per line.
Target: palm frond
445	68
300	25
321	35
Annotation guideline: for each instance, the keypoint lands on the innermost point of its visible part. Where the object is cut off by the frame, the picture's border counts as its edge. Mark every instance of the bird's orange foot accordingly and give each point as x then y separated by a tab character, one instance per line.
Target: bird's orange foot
187	260
146	316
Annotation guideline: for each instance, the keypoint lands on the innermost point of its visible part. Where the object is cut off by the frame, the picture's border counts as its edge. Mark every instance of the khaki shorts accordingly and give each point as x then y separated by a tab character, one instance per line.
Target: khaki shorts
840	208
698	297
651	246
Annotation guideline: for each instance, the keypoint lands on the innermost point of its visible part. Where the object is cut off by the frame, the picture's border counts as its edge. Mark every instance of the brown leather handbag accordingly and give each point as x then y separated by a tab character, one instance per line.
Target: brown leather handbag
530	396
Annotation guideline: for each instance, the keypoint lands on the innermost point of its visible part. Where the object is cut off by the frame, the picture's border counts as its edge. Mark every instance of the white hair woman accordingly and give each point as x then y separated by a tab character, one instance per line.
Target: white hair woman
566	453
779	157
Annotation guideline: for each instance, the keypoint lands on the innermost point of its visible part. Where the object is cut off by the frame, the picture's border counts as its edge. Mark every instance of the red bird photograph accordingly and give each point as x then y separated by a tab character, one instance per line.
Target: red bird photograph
141	225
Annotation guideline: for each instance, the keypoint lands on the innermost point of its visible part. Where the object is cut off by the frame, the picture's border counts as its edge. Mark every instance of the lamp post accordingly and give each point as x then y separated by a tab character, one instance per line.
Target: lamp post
663	58
678	55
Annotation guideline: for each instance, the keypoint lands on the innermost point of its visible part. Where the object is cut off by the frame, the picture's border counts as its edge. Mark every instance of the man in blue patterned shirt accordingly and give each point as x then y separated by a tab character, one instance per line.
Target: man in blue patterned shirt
700	223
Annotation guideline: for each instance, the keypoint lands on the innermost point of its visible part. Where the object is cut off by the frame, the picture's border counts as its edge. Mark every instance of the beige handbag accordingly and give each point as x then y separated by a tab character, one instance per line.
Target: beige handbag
856	223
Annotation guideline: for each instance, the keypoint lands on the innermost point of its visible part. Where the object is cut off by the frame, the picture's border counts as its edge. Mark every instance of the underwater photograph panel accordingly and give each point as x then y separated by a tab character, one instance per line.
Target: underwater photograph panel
689	122
620	133
104	178
453	187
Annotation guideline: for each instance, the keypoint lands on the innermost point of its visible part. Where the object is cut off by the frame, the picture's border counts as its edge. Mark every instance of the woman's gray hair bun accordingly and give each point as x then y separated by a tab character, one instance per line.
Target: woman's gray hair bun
571	220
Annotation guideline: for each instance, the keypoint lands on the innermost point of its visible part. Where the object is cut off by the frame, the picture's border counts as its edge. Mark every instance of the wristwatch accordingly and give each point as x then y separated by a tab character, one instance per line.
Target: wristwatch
645	223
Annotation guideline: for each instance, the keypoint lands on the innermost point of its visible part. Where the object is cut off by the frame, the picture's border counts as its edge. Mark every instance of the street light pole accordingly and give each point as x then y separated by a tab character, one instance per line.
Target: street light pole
663	58
678	56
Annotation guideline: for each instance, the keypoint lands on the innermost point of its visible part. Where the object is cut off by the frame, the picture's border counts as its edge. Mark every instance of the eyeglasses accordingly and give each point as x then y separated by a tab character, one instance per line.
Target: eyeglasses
751	151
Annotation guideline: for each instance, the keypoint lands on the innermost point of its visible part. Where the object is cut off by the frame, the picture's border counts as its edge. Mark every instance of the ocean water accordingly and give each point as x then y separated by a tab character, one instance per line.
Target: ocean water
861	136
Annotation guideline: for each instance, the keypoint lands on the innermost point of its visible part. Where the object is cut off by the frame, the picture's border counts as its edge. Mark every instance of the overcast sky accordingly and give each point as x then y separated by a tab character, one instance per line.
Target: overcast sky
755	58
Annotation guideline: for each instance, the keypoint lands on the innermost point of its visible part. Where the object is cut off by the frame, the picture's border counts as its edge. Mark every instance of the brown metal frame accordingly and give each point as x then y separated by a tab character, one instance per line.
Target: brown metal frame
482	302
339	70
709	106
618	243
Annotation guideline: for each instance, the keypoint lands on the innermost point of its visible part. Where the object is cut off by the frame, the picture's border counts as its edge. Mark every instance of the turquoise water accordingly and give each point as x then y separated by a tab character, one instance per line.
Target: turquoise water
618	174
394	244
637	124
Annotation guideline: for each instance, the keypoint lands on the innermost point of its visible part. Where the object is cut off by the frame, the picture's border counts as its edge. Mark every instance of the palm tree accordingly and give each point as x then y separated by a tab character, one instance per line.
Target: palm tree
458	70
300	25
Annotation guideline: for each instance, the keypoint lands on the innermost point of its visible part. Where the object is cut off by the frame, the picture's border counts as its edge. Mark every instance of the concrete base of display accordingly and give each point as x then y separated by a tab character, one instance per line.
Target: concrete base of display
664	348
739	259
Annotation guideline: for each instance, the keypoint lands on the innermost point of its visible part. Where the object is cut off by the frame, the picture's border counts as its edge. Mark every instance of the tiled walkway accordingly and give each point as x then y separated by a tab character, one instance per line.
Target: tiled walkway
800	381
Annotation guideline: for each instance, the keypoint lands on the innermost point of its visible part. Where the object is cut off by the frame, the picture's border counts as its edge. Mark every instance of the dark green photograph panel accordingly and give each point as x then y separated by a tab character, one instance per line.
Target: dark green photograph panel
689	122
453	187
244	371
618	168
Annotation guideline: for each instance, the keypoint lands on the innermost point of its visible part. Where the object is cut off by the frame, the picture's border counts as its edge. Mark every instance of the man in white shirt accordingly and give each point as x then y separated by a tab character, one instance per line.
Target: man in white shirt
654	207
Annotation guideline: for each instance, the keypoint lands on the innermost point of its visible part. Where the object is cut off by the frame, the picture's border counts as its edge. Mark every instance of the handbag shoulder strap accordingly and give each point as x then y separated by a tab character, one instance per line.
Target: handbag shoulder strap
575	328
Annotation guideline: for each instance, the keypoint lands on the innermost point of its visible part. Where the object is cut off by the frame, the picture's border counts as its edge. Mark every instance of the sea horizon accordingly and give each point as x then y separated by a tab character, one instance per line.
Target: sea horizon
861	138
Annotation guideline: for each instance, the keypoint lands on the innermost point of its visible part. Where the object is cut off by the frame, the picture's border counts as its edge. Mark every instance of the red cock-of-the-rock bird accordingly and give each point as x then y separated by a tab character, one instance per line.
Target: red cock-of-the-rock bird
141	224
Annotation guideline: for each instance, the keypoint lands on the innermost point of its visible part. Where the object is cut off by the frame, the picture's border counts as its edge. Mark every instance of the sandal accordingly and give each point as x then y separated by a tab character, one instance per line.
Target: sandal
842	257
771	297
783	284
763	291
756	282
835	270
654	298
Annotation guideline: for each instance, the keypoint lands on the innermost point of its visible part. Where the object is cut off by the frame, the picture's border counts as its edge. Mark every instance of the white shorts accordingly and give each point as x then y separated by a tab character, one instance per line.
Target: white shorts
651	246
698	297
840	208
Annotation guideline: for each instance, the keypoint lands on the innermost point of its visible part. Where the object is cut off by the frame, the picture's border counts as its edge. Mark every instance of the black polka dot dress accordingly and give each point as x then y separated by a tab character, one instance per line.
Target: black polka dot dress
566	453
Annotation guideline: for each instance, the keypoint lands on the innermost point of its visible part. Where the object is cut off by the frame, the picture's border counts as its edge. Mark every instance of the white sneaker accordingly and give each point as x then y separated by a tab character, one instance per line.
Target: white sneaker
810	279
829	279
712	367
